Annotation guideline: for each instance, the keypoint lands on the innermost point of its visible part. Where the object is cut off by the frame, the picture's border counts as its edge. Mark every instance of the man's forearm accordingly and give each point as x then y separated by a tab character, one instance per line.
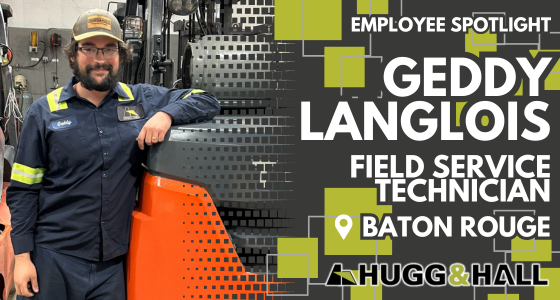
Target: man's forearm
23	256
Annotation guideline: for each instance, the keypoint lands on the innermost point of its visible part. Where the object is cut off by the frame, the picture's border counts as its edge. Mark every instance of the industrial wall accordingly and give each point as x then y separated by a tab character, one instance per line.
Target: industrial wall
40	75
40	78
52	13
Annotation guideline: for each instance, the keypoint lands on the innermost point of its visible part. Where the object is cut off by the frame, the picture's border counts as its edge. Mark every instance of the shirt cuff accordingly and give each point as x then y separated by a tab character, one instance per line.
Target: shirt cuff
23	243
178	113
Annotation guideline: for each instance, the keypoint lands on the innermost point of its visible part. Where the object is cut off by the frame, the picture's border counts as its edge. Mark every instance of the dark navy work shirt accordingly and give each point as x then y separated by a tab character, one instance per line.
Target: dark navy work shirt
75	176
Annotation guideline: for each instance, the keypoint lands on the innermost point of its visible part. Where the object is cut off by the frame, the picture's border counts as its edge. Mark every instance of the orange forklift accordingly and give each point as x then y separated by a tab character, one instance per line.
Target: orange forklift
207	215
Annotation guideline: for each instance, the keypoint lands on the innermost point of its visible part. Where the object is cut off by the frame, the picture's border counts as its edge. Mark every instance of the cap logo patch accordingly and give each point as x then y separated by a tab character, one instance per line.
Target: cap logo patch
99	22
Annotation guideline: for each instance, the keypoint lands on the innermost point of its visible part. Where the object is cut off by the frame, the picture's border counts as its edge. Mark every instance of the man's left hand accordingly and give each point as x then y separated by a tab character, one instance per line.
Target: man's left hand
154	130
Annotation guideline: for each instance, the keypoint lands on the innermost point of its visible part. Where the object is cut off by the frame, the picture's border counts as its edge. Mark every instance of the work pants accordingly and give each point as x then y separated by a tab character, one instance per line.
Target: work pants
65	277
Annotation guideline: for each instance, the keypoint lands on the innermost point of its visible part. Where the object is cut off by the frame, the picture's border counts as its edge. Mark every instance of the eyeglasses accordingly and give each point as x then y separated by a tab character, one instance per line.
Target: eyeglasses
92	51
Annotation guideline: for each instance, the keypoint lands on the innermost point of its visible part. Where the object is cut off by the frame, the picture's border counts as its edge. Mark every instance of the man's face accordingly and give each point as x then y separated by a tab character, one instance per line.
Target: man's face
94	70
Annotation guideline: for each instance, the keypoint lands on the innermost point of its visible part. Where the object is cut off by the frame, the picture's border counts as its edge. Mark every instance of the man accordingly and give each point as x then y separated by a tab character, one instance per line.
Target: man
76	171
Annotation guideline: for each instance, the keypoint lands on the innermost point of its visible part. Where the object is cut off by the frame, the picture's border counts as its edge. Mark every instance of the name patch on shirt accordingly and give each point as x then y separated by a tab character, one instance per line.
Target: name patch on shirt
64	123
130	112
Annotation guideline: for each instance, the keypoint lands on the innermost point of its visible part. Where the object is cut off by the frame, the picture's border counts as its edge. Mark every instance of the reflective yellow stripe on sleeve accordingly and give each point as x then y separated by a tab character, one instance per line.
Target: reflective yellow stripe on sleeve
127	91
194	91
27	175
53	97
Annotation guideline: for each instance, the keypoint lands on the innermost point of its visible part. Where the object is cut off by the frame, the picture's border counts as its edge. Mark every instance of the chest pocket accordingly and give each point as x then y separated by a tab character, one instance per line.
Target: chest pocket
128	132
131	120
68	140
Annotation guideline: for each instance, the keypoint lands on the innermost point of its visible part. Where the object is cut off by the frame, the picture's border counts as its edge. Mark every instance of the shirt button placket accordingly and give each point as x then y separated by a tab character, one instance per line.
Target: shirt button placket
104	138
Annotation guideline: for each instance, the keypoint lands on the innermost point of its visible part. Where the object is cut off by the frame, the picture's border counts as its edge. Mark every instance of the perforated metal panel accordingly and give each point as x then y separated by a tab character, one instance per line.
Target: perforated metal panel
230	66
244	162
242	158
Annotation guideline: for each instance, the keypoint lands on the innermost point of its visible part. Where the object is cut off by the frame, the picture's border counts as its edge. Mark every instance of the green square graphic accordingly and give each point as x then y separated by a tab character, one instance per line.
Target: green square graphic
296	266
503	296
353	202
365	292
520	90
458	109
556	68
378	7
353	69
551	291
288	20
552	82
485	38
534	53
543	251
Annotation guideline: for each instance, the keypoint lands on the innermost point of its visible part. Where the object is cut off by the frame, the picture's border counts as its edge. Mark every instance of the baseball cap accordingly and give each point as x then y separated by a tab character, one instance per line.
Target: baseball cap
97	22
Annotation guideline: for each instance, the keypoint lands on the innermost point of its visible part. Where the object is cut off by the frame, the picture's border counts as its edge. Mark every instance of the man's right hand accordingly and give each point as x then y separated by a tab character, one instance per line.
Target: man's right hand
25	276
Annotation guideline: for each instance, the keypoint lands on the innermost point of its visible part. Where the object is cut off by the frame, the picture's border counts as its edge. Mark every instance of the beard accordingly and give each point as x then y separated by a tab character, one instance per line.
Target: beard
89	82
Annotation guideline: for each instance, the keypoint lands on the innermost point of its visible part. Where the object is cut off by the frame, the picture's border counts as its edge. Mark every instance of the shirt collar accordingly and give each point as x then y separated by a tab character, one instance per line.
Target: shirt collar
120	91
69	92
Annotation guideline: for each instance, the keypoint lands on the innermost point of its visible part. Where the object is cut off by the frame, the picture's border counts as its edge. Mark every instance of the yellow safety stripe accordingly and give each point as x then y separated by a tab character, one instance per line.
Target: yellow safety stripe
27	175
195	91
53	97
127	91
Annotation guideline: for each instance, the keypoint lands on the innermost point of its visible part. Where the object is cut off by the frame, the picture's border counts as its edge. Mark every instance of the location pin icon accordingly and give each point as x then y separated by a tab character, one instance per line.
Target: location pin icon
343	230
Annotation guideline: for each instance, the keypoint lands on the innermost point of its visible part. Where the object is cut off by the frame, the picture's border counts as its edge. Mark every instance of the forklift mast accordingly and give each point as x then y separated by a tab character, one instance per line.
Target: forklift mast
147	27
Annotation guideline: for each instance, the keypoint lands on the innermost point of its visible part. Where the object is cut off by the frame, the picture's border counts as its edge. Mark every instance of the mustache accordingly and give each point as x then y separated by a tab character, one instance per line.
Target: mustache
98	66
